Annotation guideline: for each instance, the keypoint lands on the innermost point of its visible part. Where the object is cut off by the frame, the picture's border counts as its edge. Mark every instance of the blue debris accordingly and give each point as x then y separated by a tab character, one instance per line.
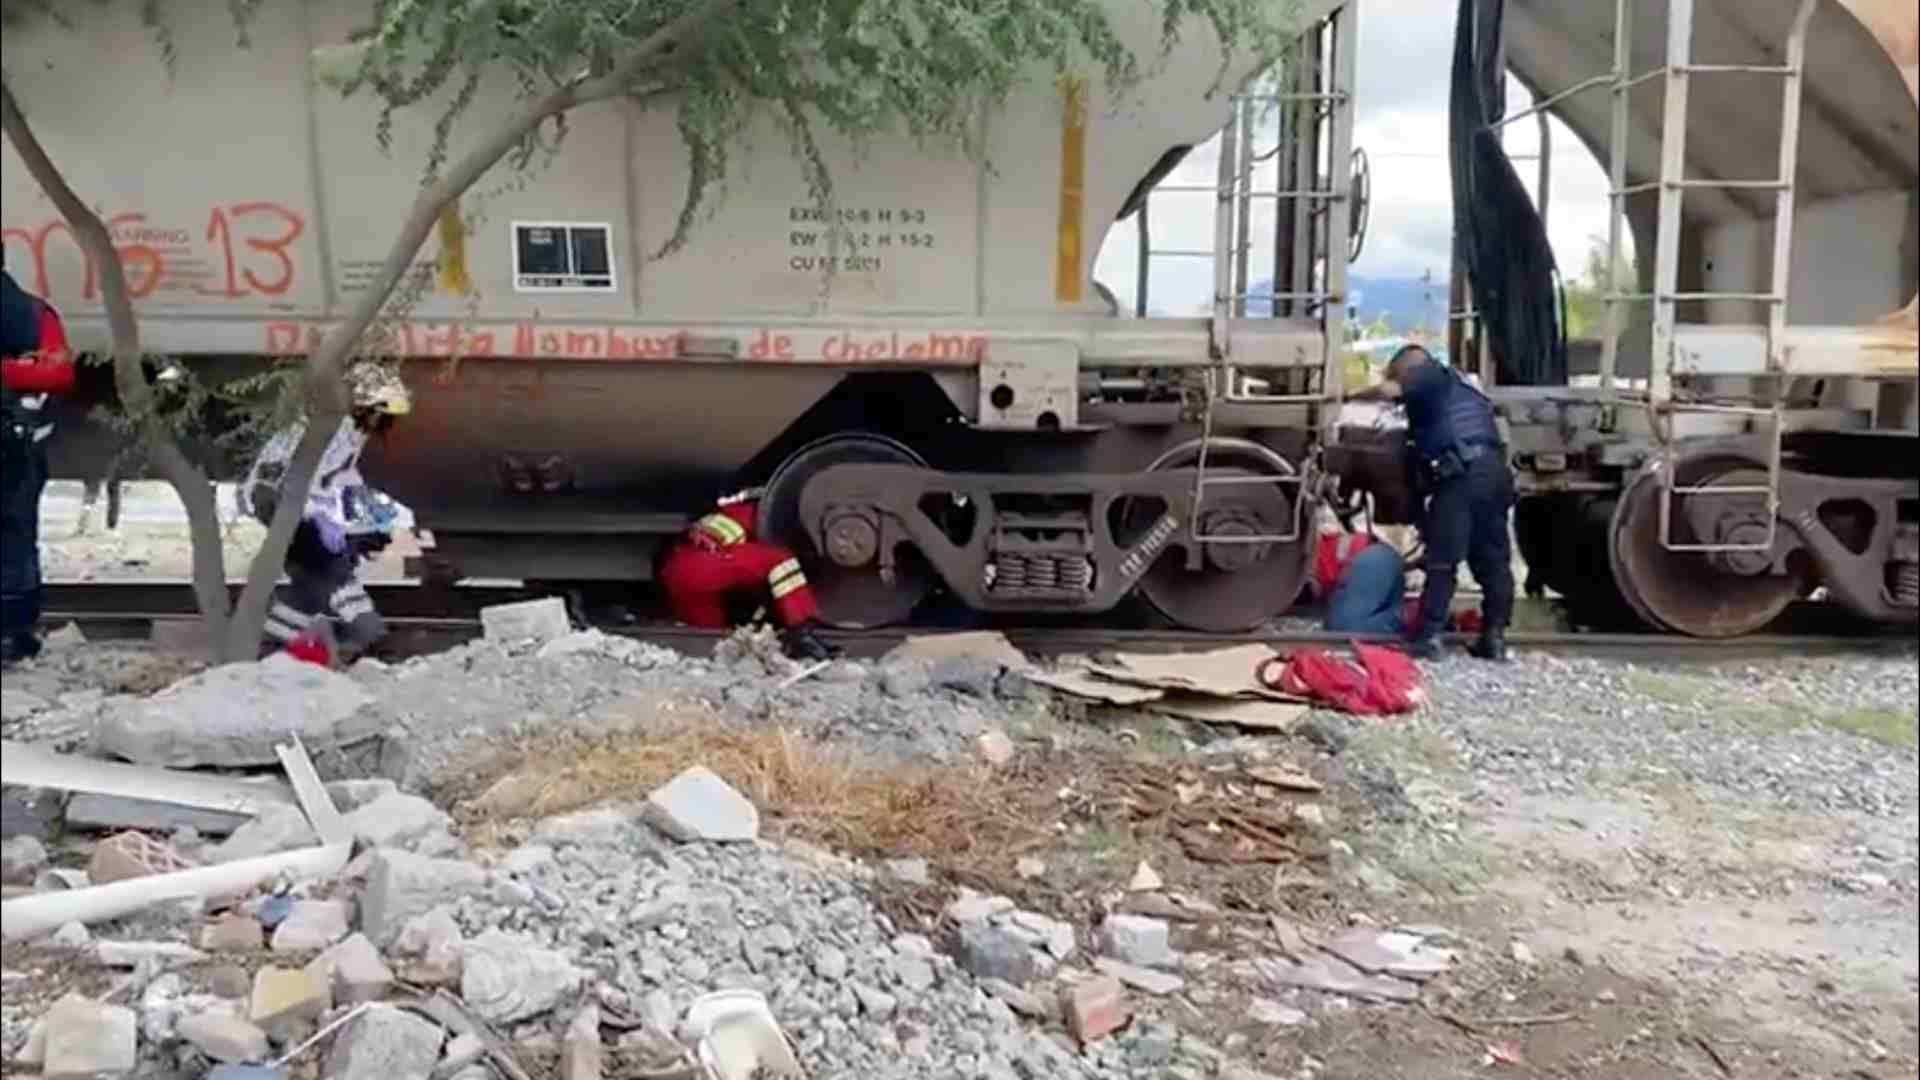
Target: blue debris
274	911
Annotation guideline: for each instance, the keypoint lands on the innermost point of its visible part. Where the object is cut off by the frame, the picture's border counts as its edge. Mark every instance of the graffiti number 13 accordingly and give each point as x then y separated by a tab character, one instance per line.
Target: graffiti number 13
285	227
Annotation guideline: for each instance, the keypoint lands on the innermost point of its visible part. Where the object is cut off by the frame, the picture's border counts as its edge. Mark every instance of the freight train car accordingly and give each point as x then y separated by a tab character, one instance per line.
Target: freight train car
931	387
1747	433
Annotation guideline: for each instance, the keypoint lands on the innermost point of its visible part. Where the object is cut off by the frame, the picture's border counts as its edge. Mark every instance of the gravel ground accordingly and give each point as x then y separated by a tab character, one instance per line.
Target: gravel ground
1745	836
1735	849
1553	725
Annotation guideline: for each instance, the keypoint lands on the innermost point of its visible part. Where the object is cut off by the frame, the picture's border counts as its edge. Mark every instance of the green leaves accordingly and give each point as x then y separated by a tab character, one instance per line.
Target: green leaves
928	69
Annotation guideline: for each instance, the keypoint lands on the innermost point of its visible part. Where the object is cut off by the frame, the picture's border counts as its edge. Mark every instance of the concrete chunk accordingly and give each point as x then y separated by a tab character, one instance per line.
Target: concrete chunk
351	795
312	925
397	820
278	828
356	971
385	1043
988	952
434	943
21	858
233	715
224	1037
531	620
507	977
1136	939
698	805
401	885
83	1039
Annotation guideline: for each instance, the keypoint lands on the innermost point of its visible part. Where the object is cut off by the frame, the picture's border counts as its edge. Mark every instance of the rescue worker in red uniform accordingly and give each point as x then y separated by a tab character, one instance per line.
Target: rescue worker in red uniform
719	560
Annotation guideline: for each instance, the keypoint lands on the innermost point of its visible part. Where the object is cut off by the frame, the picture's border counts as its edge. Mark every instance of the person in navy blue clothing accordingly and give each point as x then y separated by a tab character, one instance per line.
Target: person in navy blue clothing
1460	468
34	362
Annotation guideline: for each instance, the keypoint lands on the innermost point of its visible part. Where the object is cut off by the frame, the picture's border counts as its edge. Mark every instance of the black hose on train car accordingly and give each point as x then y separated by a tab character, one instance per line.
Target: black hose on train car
1498	234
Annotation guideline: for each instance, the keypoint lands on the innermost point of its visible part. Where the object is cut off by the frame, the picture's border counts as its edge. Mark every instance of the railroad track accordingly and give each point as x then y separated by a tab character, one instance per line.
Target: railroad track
427	619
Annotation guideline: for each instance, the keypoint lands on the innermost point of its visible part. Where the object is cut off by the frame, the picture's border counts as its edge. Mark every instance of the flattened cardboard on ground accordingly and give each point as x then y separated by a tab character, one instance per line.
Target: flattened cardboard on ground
26	917
35	766
1084	684
1260	715
1222	673
986	644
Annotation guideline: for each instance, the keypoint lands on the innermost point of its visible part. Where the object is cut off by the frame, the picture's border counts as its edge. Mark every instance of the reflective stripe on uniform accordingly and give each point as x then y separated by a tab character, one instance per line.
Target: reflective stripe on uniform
284	623
351	602
722	528
785	578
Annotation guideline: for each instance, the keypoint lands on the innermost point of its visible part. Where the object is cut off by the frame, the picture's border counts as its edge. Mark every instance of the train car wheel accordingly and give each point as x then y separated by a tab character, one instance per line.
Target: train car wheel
856	598
1691	592
1238	586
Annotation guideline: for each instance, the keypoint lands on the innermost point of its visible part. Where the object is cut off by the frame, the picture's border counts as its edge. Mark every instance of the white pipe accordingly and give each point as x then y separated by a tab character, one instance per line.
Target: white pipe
31	916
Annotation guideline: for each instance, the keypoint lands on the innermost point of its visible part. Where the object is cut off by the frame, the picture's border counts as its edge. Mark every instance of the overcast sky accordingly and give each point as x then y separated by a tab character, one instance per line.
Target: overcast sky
1406	48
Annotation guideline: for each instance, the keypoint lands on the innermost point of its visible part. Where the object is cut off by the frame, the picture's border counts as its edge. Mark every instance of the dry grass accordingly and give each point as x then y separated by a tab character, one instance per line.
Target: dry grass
968	818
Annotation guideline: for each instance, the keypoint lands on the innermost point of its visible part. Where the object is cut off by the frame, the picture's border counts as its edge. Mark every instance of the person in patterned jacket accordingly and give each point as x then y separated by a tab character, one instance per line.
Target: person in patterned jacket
343	522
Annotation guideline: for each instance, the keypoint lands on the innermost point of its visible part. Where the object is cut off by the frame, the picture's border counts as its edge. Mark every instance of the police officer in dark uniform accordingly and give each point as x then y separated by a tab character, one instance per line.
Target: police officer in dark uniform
22	476
1460	468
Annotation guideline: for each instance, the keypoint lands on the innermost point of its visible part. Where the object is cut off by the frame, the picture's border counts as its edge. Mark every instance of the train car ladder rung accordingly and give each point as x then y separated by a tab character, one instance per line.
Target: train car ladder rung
1733	185
1737	69
1669	490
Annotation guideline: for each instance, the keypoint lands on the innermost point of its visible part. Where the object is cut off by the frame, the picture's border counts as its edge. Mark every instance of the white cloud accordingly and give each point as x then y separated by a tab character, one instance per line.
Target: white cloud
1403	83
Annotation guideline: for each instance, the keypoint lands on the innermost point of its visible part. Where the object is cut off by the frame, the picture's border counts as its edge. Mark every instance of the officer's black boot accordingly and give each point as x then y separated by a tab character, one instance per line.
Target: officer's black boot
1422	648
803	643
1492	644
18	647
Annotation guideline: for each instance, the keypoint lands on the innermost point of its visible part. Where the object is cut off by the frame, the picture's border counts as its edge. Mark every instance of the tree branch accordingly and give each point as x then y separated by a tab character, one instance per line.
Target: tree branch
326	368
196	492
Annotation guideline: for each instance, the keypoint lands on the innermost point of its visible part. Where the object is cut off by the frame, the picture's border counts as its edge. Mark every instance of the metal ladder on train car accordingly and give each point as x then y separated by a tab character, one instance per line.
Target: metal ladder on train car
1321	93
1666	295
1672	185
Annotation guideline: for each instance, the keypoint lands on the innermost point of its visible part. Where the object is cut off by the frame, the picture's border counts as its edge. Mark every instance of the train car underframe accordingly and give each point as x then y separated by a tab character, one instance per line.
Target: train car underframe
890	491
1688	535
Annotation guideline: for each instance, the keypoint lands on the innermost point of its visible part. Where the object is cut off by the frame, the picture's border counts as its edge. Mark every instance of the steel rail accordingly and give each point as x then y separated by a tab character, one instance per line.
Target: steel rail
425	619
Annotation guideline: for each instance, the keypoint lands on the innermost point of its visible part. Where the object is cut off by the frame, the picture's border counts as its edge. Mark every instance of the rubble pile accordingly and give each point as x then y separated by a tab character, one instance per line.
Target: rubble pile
255	926
422	720
599	938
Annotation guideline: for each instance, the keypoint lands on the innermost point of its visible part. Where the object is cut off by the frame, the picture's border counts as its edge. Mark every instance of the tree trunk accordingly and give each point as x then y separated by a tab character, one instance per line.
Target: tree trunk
327	400
236	632
189	481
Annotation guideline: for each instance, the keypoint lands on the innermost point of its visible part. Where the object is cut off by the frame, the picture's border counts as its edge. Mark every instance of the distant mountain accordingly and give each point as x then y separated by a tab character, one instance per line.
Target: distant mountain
1409	303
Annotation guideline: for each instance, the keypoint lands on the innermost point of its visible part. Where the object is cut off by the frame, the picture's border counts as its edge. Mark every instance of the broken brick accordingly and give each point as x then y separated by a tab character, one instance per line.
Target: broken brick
1095	1008
127	855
